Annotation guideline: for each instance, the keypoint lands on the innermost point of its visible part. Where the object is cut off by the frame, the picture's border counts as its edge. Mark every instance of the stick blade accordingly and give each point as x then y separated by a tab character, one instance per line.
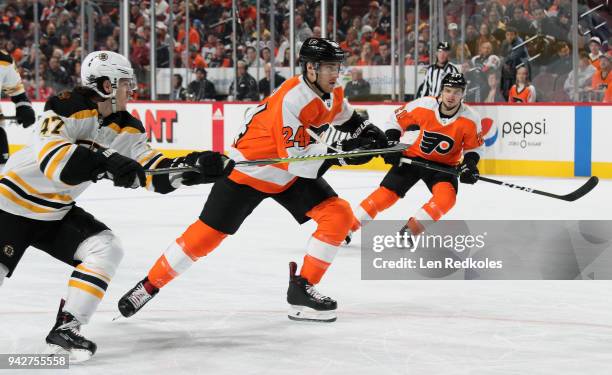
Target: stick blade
583	190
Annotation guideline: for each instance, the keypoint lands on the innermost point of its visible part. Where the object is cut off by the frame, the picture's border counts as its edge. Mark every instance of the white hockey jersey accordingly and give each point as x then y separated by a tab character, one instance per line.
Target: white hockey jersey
35	182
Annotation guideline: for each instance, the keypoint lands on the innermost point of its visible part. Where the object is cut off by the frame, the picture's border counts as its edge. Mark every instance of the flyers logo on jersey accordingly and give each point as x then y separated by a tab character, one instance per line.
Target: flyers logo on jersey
440	143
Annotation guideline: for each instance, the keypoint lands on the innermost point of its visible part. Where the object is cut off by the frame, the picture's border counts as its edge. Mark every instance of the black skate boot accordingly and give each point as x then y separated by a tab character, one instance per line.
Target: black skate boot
65	338
135	299
306	303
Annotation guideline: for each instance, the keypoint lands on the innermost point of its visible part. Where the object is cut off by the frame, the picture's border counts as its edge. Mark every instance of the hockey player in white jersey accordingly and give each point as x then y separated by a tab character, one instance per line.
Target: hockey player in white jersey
11	84
83	135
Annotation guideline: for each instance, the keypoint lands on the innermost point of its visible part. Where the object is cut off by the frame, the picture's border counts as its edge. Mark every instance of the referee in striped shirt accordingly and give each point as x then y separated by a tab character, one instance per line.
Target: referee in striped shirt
437	71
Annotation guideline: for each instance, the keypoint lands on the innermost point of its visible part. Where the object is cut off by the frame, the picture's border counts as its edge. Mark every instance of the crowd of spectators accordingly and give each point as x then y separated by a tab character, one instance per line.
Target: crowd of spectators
500	36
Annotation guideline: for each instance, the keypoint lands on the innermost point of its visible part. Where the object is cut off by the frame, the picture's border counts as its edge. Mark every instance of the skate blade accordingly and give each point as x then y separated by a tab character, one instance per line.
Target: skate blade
74	356
306	314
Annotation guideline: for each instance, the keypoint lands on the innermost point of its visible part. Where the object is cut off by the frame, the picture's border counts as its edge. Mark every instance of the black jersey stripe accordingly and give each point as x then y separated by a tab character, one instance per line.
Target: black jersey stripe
41	202
50	154
152	161
90	279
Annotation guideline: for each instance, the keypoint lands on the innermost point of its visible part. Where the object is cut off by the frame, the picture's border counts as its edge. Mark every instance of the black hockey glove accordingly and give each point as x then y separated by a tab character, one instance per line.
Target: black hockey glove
393	137
211	166
373	134
468	170
351	145
25	114
124	171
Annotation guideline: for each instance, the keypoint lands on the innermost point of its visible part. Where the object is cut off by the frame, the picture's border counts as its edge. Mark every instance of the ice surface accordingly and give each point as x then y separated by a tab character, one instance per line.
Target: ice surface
227	314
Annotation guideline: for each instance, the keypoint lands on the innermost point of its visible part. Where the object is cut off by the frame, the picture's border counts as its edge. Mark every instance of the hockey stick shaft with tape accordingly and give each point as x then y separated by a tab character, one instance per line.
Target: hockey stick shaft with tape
292	159
576	194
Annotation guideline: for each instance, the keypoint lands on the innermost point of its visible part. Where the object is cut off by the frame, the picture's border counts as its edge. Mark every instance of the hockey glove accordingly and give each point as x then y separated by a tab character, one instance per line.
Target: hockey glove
211	166
468	170
25	114
373	134
350	145
124	171
393	136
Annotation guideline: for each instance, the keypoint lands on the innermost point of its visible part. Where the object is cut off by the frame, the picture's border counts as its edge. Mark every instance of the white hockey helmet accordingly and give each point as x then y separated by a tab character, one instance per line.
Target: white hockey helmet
100	65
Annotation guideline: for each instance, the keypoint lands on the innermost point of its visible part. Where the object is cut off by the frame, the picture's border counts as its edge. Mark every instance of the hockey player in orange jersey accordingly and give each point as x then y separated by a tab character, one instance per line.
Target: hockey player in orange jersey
449	134
278	127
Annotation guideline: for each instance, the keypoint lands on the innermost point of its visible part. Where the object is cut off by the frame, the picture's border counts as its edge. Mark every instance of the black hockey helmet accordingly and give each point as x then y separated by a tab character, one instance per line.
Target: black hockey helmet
454	80
318	50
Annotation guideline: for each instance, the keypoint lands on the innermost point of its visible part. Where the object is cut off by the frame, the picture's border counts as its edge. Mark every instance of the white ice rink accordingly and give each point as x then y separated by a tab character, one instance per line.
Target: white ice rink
227	314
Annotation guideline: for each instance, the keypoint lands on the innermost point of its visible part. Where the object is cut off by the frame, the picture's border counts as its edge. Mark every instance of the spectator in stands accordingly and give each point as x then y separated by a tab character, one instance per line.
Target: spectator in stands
513	56
357	88
195	59
585	74
219	60
522	91
345	19
352	41
562	64
140	53
493	94
374	12
384	55
548	26
486	60
595	51
367	55
302	29
105	28
247	85
496	26
367	33
178	91
201	89
56	76
44	91
264	83
452	35
266	55
384	23
252	58
520	23
602	80
485	36
460	52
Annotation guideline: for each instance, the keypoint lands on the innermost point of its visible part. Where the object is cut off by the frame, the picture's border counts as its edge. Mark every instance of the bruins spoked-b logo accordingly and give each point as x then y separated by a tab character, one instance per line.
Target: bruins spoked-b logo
8	250
440	143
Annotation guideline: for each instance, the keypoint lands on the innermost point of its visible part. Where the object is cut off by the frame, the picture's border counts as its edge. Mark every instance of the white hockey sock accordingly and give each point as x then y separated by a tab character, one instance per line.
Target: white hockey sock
321	250
100	256
362	215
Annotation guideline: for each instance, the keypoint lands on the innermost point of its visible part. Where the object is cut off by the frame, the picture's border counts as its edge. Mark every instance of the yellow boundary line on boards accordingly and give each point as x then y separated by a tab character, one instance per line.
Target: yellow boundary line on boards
491	167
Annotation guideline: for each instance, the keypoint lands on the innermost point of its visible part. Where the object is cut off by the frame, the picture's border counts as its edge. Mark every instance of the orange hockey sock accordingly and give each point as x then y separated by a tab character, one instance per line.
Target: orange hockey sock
313	269
334	218
197	241
443	199
381	199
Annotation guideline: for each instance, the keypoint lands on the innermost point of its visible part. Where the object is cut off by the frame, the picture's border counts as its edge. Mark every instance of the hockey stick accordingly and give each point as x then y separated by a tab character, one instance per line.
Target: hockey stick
576	194
261	162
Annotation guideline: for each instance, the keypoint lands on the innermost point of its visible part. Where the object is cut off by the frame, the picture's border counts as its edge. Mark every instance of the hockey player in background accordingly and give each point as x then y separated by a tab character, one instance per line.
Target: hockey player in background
278	127
83	135
449	135
11	84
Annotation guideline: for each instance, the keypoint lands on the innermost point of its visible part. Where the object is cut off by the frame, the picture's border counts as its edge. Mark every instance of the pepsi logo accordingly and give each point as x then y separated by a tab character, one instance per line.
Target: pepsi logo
490	131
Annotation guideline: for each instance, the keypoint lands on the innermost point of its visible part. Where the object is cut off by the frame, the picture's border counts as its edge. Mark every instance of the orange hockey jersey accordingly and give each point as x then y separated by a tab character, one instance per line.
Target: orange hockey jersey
440	140
525	95
277	128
